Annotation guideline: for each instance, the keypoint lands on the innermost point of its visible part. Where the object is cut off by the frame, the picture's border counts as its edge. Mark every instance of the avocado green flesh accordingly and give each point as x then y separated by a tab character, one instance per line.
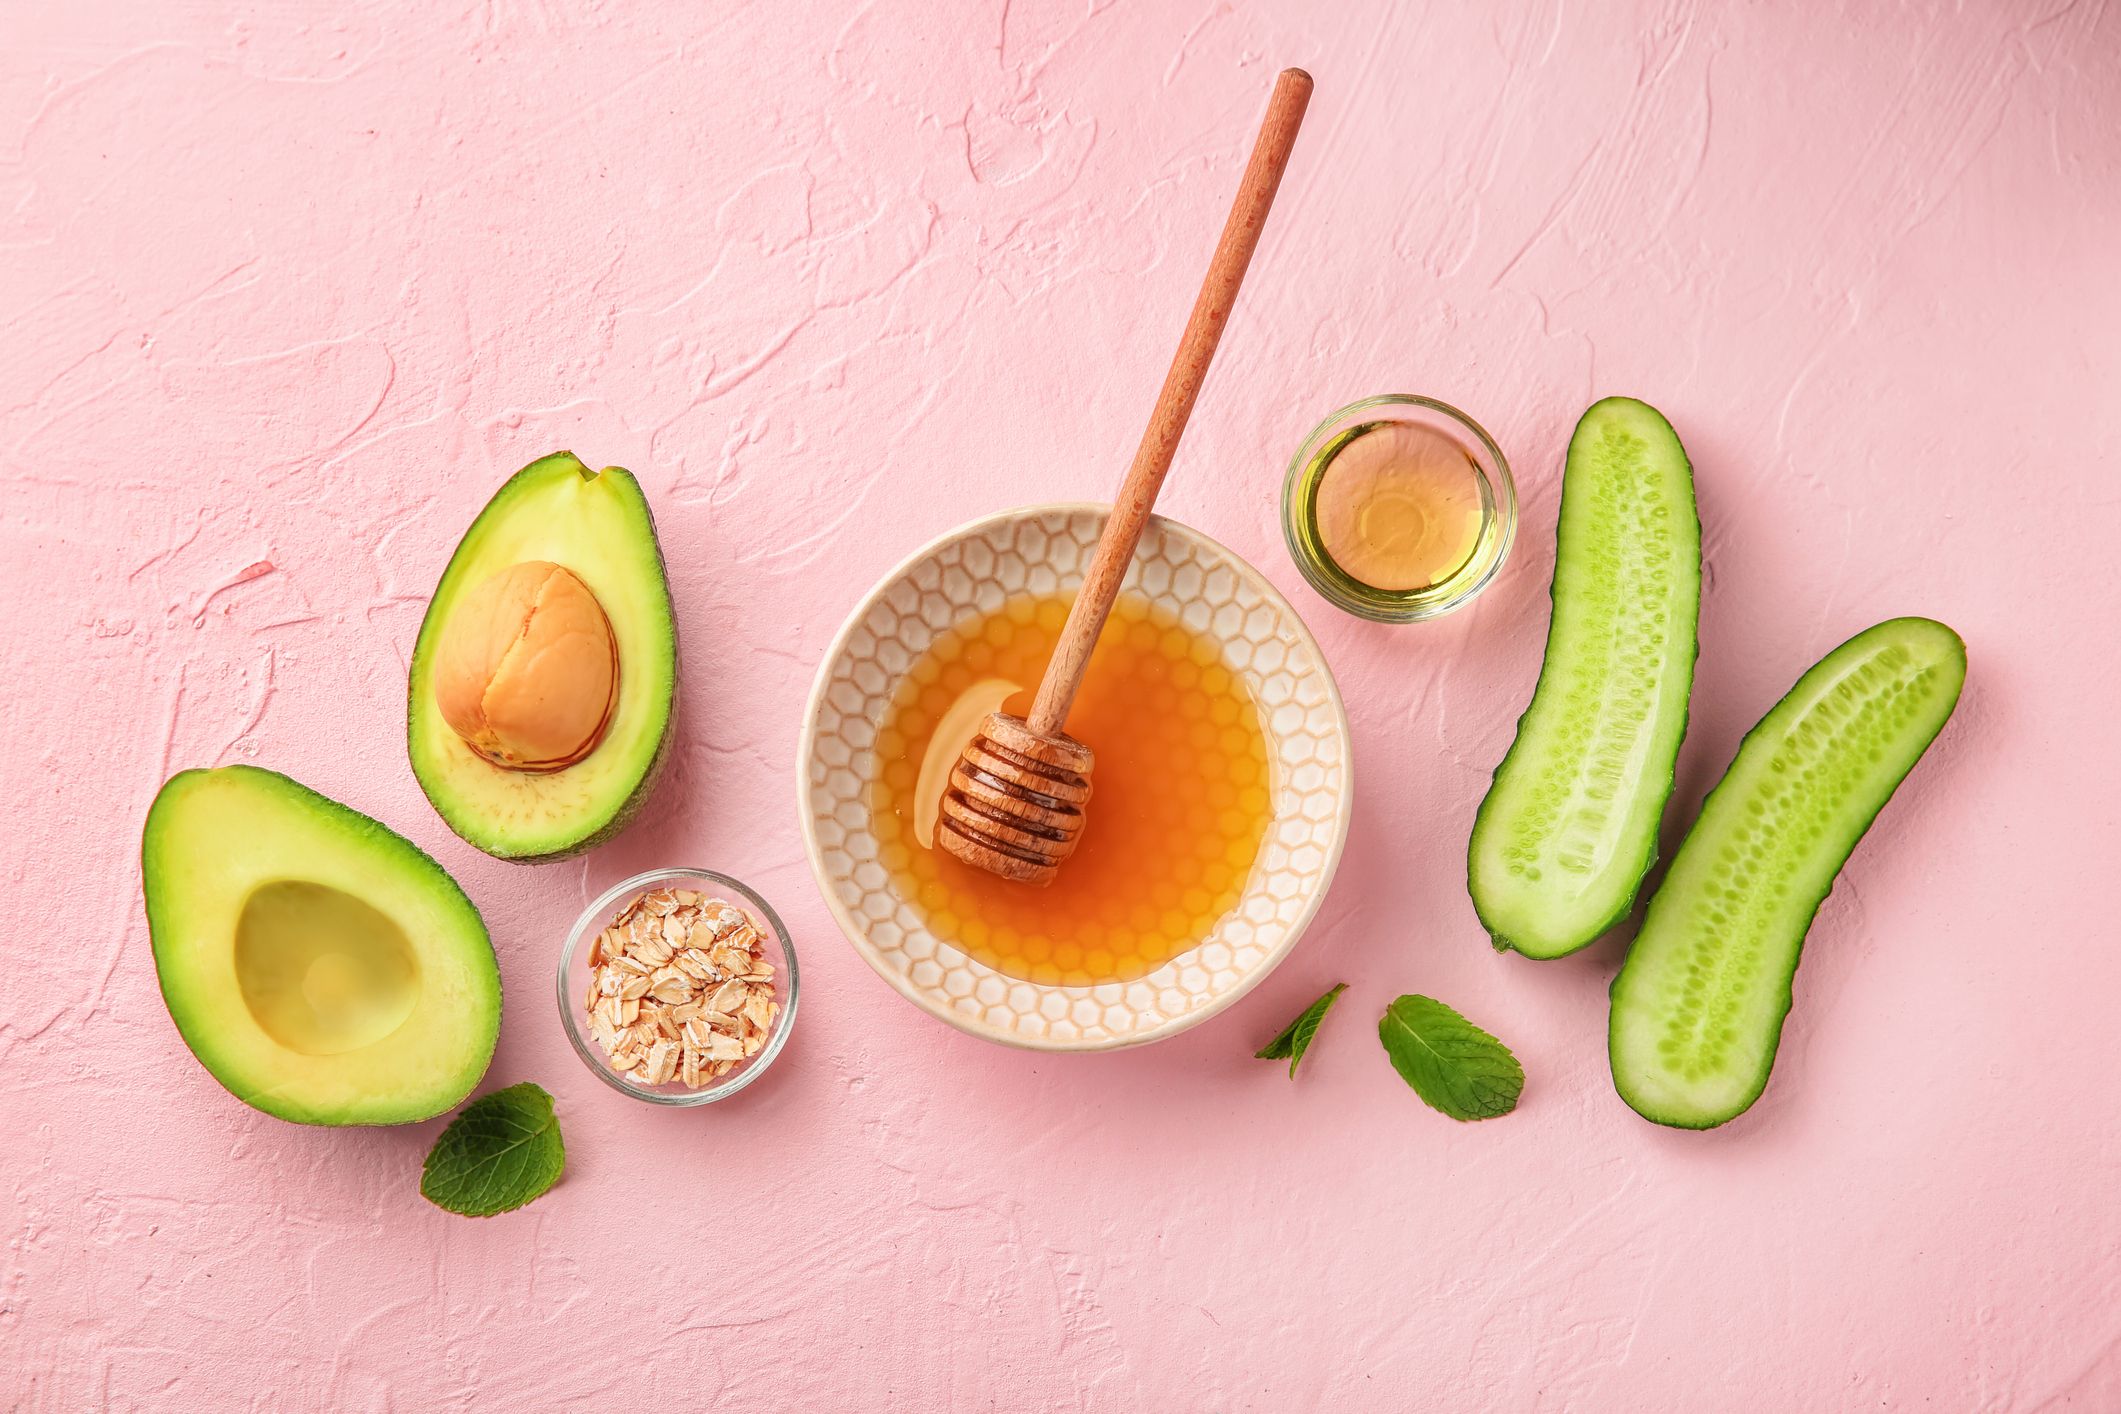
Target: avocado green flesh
321	967
1698	1005
596	524
1569	825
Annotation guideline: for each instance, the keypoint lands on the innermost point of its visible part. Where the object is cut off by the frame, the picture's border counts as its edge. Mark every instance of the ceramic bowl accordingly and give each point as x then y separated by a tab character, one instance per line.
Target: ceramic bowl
1043	550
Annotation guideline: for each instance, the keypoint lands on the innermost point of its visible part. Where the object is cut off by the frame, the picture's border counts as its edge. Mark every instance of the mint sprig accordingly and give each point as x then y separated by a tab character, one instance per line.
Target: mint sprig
1295	1038
500	1152
1457	1068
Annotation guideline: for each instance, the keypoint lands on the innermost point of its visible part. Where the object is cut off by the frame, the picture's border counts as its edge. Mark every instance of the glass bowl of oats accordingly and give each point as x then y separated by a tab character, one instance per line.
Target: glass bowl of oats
678	986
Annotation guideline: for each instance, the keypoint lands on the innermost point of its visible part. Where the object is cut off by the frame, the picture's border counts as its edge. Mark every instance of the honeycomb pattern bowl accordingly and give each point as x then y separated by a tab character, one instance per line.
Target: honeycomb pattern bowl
1042	550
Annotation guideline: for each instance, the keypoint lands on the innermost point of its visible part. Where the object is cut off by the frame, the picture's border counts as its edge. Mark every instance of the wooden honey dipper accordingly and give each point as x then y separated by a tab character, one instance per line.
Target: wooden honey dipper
1014	805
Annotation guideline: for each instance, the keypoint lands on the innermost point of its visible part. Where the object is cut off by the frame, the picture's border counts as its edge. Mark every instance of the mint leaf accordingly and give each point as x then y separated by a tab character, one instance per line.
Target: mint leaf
1295	1038
1457	1068
501	1151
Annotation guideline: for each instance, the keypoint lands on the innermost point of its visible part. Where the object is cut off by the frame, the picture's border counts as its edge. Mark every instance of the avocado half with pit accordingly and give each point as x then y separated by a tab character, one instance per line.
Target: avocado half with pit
545	676
320	966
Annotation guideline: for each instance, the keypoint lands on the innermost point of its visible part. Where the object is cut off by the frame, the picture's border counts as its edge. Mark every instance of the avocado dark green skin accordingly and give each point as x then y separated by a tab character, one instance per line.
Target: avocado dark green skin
430	629
160	926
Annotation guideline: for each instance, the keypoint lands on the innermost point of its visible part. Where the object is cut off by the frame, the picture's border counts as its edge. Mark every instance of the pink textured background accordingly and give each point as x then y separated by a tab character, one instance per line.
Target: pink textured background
286	290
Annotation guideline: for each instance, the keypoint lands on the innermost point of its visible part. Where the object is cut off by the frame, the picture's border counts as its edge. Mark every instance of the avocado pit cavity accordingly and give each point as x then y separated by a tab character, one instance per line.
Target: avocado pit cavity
528	670
321	971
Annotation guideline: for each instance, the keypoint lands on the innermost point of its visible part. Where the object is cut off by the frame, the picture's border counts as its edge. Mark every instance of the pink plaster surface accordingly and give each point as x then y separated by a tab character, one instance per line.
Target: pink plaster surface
286	290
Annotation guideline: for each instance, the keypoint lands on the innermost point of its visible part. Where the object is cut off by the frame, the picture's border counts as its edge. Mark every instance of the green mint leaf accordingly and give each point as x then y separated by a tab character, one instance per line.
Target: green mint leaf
1295	1038
501	1151
1457	1068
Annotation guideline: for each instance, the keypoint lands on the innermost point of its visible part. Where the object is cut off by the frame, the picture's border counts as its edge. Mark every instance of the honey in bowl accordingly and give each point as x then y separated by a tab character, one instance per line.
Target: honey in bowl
1184	794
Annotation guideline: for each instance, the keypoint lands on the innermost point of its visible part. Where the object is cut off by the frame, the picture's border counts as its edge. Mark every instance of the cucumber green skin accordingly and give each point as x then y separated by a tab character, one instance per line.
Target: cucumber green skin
1666	930
1550	939
467	827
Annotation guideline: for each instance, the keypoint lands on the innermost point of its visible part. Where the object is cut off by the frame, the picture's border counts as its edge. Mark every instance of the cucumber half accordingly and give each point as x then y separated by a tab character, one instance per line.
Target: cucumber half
1569	826
1699	1003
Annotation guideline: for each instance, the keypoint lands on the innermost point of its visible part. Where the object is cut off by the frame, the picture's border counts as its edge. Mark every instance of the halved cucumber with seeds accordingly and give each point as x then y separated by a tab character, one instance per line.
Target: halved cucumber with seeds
1569	826
1699	1003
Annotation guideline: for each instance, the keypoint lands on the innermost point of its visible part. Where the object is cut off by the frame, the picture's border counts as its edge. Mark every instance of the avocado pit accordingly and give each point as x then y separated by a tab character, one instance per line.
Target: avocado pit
528	670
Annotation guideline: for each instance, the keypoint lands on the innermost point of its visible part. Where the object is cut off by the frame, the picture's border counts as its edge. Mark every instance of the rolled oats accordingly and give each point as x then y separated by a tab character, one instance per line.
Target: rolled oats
679	989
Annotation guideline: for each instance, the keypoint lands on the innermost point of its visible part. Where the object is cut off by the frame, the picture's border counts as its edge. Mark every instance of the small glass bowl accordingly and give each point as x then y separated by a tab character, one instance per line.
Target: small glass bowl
1498	512
574	983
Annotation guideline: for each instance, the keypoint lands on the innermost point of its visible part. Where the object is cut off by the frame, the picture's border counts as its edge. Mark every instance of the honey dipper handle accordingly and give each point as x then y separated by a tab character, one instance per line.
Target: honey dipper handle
1204	329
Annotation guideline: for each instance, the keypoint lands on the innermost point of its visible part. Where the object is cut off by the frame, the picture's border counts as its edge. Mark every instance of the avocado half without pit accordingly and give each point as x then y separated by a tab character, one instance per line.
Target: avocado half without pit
321	967
545	676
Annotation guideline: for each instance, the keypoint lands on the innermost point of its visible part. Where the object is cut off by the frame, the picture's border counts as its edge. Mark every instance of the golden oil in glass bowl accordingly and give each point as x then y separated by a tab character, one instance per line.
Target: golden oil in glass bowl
1183	793
1399	508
